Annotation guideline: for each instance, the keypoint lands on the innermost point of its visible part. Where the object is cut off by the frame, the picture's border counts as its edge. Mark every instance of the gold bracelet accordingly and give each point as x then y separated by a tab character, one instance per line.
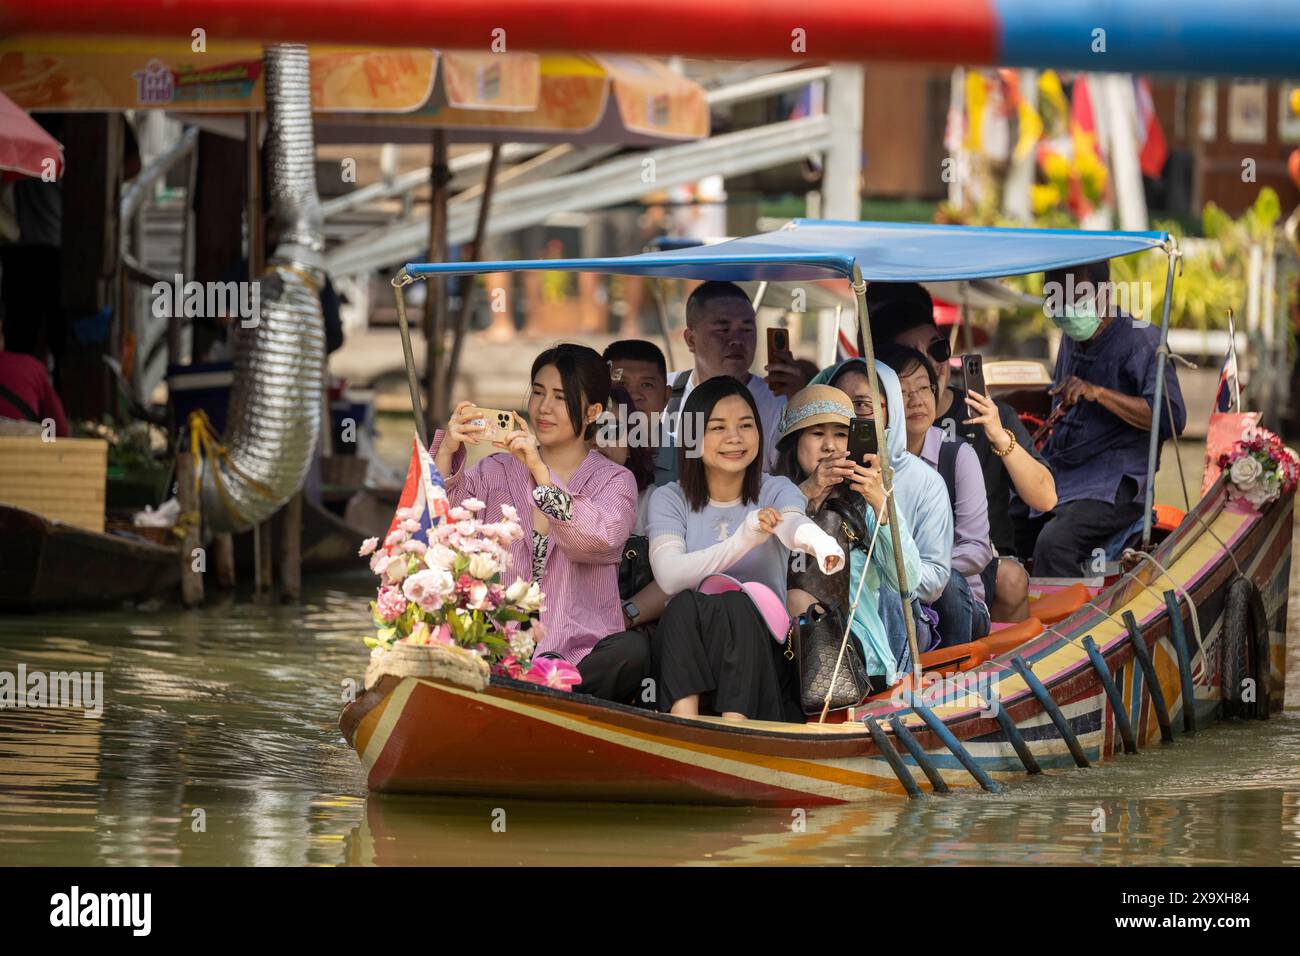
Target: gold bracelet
1010	448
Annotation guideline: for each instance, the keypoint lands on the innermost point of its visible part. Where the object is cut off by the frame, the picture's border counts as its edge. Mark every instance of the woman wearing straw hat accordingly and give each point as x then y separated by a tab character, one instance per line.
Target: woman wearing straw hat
812	451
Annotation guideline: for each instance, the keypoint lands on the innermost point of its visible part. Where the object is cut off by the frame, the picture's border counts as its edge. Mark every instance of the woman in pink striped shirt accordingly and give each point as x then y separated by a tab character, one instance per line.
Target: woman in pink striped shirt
576	506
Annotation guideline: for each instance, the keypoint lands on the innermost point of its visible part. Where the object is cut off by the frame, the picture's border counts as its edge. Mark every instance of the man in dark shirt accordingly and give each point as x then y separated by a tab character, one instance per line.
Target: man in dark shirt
1105	378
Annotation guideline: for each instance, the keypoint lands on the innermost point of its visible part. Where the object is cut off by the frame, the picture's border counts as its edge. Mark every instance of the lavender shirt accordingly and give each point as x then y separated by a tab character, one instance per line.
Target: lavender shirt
971	550
580	578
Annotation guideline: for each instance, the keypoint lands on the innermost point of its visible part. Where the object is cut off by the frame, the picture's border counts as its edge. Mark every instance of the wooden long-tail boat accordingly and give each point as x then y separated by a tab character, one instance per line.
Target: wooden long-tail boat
1215	588
47	564
418	735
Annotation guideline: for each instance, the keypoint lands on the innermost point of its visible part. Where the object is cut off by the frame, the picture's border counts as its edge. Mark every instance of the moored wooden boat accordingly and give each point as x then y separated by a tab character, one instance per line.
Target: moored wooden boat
418	735
47	564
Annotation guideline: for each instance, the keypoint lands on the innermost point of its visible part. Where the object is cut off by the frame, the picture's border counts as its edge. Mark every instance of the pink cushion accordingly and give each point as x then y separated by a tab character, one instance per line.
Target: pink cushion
771	607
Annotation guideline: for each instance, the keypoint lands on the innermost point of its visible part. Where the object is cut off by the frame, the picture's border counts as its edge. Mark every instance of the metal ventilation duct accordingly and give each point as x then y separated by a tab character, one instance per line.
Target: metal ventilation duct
275	405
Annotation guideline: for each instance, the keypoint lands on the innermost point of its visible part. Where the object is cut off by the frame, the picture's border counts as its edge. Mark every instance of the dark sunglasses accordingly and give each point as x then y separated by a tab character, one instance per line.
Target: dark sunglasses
939	350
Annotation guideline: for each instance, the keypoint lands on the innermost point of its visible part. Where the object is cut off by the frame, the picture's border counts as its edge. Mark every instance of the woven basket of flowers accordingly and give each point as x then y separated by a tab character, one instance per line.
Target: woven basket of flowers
444	610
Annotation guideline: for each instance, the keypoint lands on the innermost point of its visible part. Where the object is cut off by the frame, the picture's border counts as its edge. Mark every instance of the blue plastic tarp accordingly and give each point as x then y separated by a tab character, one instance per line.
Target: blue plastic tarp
812	249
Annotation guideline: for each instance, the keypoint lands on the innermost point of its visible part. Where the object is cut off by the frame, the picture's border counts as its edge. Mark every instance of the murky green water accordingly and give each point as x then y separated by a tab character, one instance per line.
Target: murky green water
218	745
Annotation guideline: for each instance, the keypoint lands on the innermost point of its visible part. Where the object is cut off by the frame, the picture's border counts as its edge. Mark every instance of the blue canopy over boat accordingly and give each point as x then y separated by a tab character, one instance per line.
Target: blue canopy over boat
812	249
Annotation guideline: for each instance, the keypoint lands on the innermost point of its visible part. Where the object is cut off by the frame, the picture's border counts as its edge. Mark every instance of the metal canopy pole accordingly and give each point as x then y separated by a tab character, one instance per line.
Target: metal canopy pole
435	307
467	286
1157	410
868	352
661	314
401	281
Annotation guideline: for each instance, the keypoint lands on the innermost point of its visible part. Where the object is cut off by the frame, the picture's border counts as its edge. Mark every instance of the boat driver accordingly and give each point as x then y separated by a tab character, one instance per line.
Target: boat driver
1105	380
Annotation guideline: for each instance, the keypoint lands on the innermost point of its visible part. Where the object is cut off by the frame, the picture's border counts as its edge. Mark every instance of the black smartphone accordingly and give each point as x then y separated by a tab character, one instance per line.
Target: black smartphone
972	368
862	439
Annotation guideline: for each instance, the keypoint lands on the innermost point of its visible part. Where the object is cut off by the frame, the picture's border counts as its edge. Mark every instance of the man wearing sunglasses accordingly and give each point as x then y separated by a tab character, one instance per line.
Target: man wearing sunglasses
903	313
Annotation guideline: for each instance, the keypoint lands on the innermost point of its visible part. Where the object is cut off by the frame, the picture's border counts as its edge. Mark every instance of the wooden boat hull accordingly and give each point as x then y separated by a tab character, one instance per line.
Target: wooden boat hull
50	565
517	740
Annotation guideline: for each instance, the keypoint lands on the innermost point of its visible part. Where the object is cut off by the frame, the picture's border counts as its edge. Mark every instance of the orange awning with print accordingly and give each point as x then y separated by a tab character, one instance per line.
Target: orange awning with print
370	95
582	99
89	74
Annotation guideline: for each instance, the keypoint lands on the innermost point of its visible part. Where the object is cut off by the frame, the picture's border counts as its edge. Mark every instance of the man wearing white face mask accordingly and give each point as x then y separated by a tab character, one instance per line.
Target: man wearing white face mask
1105	379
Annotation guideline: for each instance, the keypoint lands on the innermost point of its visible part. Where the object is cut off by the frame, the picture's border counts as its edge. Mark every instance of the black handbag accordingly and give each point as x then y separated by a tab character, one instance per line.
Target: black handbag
816	637
814	644
634	572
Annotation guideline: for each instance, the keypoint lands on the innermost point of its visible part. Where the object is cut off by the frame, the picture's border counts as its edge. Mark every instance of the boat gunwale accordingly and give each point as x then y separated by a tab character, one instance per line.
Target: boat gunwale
837	743
52	526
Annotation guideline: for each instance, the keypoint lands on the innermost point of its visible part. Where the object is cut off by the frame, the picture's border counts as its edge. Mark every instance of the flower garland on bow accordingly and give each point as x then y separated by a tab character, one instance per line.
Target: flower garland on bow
447	587
1260	468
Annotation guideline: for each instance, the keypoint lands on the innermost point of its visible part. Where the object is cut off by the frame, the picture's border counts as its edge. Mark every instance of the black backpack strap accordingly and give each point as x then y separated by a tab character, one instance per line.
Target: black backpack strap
679	390
666	454
16	401
948	467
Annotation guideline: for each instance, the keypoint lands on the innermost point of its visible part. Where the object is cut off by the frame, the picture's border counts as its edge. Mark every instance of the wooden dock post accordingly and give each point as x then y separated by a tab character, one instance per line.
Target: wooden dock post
223	559
191	579
291	550
262	579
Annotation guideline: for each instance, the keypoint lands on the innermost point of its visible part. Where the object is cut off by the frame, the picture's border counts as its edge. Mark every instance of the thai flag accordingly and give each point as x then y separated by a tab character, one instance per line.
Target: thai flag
1228	397
423	491
845	348
846	335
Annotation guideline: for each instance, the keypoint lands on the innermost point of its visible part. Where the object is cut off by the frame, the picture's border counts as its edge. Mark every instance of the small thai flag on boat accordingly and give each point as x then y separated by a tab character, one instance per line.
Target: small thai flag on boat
845	349
423	491
1228	398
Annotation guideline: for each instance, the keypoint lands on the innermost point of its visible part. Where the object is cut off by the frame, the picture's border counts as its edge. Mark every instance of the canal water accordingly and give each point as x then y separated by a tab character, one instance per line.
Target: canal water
218	745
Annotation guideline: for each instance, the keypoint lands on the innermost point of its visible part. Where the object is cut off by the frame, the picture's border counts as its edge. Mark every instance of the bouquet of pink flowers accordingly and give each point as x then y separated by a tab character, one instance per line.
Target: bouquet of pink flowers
1260	468
447	587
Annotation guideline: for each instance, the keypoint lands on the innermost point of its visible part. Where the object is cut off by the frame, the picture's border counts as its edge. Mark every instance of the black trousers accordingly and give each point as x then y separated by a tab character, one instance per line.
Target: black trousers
616	668
1070	533
718	646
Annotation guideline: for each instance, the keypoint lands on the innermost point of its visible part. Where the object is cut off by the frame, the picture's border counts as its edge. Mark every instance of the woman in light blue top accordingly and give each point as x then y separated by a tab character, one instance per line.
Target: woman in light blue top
717	650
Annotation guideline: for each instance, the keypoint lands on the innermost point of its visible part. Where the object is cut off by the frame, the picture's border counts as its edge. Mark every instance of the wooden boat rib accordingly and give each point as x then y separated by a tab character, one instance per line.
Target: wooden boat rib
519	740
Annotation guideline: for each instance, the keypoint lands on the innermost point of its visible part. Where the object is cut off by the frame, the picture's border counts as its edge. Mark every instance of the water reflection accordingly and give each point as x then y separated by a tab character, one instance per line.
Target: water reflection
1257	827
218	745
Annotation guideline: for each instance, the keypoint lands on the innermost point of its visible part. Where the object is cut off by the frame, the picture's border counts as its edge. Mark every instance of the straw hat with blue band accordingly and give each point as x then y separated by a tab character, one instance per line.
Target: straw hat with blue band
815	405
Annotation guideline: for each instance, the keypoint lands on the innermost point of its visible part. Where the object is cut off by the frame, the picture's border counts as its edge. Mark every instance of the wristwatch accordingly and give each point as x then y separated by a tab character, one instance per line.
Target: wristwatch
631	611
